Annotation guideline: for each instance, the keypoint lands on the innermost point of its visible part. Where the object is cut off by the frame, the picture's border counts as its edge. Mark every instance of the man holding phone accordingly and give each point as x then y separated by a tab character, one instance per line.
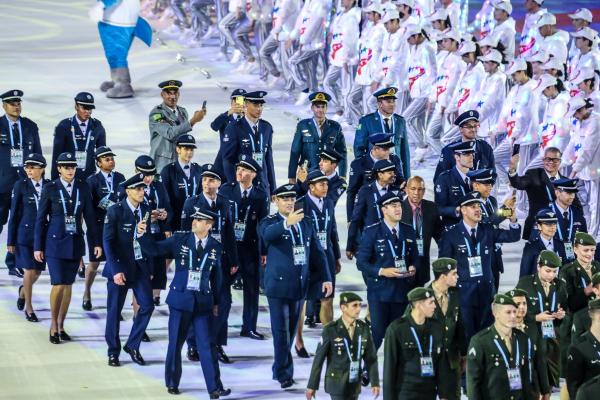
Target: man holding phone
235	112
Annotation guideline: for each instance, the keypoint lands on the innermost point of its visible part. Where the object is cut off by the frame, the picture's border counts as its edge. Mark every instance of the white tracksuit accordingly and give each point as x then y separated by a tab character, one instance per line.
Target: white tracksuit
484	20
505	33
556	45
529	35
488	101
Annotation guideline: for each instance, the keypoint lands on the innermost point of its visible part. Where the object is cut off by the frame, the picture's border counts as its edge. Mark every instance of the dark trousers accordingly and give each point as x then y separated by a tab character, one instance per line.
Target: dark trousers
114	305
179	326
476	305
382	315
249	269
219	323
284	315
5	199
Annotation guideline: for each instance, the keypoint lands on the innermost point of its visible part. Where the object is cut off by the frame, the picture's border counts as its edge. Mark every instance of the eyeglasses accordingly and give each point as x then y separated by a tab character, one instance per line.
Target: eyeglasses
470	126
550	159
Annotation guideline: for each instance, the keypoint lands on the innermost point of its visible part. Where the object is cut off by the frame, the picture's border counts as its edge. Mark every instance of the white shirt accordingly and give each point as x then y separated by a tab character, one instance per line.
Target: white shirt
109	179
381	189
82	124
317	200
134	210
37	186
209	200
252	124
203	241
396	227
246	190
186	171
68	186
547	243
330	177
462	175
469	228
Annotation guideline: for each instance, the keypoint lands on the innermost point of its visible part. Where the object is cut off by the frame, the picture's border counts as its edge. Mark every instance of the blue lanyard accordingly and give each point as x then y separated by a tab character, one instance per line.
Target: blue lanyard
10	126
317	127
87	142
217	228
419	343
570	230
236	212
348	349
394	251
294	238
469	248
64	204
192	261
376	205
550	199
504	355
185	185
583	283
542	302
391	118
254	144
109	187
317	221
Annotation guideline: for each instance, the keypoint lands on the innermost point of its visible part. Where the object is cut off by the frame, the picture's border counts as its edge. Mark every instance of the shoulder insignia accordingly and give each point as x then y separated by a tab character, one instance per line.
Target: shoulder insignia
473	352
106	218
338	339
157	117
438	188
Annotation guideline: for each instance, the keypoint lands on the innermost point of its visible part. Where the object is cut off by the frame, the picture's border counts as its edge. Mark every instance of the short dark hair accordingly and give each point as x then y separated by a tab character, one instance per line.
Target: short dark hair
552	150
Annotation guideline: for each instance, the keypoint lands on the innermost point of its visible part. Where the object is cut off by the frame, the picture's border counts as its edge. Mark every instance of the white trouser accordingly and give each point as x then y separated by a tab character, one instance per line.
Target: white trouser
357	102
303	68
588	196
451	135
415	116
226	26
434	130
337	83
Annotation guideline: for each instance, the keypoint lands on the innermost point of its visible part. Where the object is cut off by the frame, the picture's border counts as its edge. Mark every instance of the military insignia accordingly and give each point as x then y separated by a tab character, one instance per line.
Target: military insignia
69	155
157	117
213	254
340	190
438	188
289	187
106	219
473	352
243	157
338	339
320	97
359	126
89	97
15	93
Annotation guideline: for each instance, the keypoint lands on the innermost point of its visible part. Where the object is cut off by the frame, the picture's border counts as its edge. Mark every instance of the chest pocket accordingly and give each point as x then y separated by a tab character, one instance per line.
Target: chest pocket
308	139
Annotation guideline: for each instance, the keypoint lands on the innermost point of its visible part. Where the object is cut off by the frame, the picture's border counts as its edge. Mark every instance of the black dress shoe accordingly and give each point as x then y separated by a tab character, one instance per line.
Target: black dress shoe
302	353
222	356
31	317
113	361
157	301
173	390
65	336
286	384
223	392
54	338
364	378
15	272
238	285
145	337
121	317
309	322
20	300
136	357
87	305
214	395
192	354
252	335
81	272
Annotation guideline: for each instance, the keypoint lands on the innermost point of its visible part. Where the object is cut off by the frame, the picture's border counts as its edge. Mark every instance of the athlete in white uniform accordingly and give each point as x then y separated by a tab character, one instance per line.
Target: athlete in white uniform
588	55
504	30
488	101
581	18
584	83
530	35
553	41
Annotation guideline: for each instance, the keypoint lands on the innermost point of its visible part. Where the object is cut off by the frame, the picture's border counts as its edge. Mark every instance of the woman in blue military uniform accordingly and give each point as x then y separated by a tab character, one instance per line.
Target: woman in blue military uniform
103	187
23	210
58	237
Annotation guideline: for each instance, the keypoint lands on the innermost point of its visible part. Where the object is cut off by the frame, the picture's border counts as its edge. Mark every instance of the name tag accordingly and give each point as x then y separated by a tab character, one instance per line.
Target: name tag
569	250
258	157
70	224
475	268
322	236
299	255
514	379
105	202
239	228
400	265
16	157
548	330
354	372
420	247
137	250
194	278
81	158
427	366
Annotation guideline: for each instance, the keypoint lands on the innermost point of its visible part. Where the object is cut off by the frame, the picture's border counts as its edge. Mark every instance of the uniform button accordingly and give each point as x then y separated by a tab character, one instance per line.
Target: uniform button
174	287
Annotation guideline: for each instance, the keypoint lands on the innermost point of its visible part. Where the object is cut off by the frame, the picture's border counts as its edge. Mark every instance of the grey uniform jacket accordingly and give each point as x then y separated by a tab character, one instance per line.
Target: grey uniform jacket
165	127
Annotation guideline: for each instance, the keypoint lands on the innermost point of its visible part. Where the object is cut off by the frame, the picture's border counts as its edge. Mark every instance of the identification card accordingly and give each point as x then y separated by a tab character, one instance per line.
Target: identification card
400	265
475	268
354	372
299	255
514	378
105	202
137	250
194	278
154	227
216	236
239	228
420	247
427	366
548	330
16	157
569	250
70	224
322	236
258	157
81	158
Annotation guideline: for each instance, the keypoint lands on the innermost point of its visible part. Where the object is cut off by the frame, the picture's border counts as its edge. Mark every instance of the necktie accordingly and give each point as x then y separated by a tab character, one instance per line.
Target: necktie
16	135
255	130
418	221
508	343
443	300
473	236
386	122
245	195
213	205
136	215
109	175
199	248
552	178
395	234
37	185
186	167
467	181
546	287
566	215
351	330
69	189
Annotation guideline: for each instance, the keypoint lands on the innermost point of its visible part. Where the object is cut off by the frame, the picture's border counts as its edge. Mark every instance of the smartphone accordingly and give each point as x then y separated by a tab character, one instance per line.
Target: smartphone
146	216
516	148
204	105
299	205
239	100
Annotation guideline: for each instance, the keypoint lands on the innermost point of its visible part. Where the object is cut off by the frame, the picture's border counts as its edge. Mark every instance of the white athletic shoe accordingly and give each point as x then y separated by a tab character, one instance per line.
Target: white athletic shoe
212	31
236	57
302	99
252	67
420	154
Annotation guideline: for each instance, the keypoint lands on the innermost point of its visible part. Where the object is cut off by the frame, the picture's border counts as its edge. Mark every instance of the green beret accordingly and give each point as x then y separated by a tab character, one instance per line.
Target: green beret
596	279
594	304
584	239
349	297
504	300
548	258
516	292
420	293
444	264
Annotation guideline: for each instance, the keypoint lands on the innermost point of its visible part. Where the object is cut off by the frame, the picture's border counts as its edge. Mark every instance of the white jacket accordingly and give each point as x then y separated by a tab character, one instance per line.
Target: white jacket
310	25
583	151
453	11
391	61
590	60
489	101
470	82
530	35
423	8
484	21
554	126
285	13
422	69
505	33
123	13
369	52
344	36
448	74
519	116
556	45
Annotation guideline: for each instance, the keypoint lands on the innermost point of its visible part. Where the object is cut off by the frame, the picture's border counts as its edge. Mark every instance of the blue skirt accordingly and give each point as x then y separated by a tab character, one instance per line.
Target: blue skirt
62	272
24	258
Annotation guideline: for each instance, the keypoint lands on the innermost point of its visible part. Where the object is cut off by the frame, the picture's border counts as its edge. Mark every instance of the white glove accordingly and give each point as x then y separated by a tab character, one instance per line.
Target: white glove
96	12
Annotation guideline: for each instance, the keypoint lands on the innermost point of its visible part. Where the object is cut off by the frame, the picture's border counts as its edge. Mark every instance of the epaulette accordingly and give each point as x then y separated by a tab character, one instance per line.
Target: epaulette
373	225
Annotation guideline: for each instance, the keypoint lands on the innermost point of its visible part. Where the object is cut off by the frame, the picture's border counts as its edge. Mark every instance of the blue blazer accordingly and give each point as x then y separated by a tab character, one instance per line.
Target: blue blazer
50	235
31	144
449	189
117	237
23	210
182	248
179	187
484	157
283	279
259	203
63	142
565	231
218	125
532	251
157	197
324	219
374	253
99	190
238	139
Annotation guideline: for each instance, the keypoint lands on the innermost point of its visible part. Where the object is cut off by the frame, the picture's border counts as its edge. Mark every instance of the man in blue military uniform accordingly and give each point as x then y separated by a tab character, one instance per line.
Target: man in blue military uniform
468	124
388	258
472	245
182	178
235	112
104	186
222	231
193	296
126	268
366	210
386	121
19	136
248	205
361	168
315	134
81	135
546	240
454	184
290	243
329	159
253	137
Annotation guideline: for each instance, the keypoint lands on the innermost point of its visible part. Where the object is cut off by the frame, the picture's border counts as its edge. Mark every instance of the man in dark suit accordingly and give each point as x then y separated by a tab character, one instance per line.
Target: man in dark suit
19	137
235	112
423	216
537	182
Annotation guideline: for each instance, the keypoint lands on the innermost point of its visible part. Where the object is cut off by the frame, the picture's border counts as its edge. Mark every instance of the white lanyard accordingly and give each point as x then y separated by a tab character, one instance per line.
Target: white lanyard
185	185
542	302
10	126
570	230
376	206
394	251
294	238
317	221
108	186
236	212
254	144
319	131
391	118
504	355
87	142
64	204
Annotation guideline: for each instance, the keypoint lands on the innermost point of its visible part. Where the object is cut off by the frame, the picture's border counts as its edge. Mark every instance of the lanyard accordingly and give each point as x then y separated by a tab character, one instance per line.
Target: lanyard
319	131
37	200
87	141
419	342
469	248
254	144
394	251
550	199
484	208
217	228
583	284
391	118
348	349
376	206
192	260
570	230
236	212
317	221
64	204
504	355
294	238
542	302
109	187
185	185
10	126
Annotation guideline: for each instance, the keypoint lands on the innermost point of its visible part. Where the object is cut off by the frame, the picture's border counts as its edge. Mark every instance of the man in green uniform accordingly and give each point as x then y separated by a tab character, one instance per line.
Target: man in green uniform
412	353
547	300
500	357
589	390
447	312
581	319
345	343
583	362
